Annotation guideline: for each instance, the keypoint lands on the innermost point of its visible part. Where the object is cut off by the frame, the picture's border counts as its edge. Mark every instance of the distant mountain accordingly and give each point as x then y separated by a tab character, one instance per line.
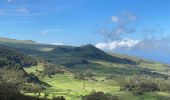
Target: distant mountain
86	52
88	57
7	40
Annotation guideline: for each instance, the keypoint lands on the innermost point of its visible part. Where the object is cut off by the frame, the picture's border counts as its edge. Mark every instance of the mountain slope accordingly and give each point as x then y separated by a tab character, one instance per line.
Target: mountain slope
11	66
86	69
82	54
12	58
7	40
88	57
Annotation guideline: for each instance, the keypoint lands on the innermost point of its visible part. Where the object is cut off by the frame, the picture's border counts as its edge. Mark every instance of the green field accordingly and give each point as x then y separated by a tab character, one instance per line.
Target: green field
73	89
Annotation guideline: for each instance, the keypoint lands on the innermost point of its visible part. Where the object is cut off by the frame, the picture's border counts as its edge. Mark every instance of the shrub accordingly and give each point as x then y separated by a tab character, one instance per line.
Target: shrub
59	98
138	85
99	96
164	85
31	88
50	69
79	76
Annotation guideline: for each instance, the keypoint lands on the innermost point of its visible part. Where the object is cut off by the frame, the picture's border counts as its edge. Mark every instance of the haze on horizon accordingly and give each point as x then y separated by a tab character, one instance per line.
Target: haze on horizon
138	28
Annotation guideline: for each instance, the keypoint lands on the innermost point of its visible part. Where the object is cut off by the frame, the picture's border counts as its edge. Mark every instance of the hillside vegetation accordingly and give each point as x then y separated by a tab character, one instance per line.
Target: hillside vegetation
74	73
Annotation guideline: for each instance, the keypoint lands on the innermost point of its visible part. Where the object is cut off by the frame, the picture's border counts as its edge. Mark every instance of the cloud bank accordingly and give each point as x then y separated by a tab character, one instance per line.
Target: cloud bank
122	23
117	44
119	36
46	32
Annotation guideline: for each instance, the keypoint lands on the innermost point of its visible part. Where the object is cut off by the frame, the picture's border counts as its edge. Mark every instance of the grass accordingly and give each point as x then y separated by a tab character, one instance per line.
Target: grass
65	85
73	89
33	69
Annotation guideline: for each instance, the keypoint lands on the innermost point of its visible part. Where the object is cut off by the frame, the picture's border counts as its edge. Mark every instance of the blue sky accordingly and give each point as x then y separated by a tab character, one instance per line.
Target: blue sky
134	27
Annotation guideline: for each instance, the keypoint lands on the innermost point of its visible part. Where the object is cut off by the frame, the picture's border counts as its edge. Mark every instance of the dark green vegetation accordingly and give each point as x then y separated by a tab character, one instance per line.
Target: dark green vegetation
13	77
13	59
11	65
138	85
99	96
11	92
50	72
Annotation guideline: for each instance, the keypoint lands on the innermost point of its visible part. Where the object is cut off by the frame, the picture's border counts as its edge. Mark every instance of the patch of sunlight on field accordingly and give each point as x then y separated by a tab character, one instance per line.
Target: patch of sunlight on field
46	49
34	69
66	85
163	94
109	64
73	89
153	66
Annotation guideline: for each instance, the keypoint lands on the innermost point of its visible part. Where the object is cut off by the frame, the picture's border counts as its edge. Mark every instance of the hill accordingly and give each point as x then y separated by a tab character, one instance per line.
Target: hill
74	72
12	63
87	57
7	40
87	52
11	58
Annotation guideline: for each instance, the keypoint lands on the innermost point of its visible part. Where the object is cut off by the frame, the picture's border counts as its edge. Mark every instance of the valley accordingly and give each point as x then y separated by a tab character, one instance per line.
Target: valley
74	72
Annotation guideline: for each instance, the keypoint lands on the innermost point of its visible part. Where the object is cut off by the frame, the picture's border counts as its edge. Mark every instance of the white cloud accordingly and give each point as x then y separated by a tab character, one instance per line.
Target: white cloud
115	18
118	30
23	10
153	44
46	32
124	43
53	43
146	44
130	16
9	1
57	43
122	24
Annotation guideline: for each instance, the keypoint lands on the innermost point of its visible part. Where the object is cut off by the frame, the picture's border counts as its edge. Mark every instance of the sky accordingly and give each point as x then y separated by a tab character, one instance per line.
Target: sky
134	27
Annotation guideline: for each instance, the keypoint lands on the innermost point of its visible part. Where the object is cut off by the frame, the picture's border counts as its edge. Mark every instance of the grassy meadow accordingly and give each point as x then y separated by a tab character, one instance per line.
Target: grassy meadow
73	89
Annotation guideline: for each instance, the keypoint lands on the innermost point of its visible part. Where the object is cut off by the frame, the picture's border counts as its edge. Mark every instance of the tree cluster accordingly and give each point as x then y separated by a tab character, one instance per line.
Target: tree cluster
12	59
99	96
138	85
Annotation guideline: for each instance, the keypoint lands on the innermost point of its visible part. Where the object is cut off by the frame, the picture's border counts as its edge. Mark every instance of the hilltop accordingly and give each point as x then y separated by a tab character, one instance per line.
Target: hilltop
7	40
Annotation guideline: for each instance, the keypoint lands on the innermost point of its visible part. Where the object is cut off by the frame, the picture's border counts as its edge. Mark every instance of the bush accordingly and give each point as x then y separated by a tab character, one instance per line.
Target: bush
138	85
50	69
84	75
99	96
31	88
164	85
10	91
59	98
79	76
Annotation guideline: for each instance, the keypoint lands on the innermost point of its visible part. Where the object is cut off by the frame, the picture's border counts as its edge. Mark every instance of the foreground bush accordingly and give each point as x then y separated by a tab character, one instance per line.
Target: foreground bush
164	85
10	91
99	96
59	98
50	69
138	85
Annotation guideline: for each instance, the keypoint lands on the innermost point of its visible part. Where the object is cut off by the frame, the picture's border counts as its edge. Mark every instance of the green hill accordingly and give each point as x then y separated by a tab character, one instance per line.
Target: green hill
87	52
14	78
12	63
11	58
87	57
7	40
74	72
